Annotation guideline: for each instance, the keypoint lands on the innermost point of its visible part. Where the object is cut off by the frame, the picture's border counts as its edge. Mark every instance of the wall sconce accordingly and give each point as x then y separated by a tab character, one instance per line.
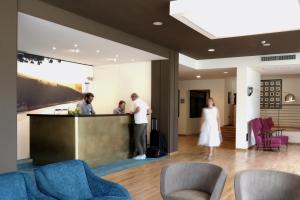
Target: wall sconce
289	98
250	91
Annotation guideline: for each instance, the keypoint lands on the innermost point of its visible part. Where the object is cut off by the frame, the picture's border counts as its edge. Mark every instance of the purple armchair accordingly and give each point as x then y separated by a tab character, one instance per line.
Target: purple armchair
268	124
264	140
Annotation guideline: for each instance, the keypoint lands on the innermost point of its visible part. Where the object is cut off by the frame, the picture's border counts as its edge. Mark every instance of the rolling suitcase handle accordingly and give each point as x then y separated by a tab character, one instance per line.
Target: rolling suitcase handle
154	124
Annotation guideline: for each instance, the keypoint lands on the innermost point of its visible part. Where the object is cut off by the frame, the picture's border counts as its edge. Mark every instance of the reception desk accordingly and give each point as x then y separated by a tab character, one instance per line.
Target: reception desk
97	139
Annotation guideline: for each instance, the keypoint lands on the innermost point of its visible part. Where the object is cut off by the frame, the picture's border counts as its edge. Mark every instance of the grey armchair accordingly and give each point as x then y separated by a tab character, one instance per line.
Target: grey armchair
192	181
266	185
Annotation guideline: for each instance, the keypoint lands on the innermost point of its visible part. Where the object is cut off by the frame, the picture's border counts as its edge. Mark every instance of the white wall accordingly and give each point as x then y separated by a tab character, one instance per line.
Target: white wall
113	83
248	107
186	125
290	84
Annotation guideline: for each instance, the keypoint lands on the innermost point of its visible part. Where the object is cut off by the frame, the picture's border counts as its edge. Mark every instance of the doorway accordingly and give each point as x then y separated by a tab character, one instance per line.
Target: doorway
198	99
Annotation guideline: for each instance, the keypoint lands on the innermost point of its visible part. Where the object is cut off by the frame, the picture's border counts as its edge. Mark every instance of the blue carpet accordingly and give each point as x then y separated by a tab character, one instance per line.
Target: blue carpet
122	165
103	170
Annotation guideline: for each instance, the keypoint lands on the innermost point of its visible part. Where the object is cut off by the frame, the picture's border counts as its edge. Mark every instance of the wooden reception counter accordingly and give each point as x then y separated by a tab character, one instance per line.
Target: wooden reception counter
96	139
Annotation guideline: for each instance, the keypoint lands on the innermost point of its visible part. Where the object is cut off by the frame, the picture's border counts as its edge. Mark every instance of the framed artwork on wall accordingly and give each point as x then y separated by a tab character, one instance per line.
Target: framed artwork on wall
271	94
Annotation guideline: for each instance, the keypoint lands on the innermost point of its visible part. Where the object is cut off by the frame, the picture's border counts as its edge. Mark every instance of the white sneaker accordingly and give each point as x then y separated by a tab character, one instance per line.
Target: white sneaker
140	157
137	157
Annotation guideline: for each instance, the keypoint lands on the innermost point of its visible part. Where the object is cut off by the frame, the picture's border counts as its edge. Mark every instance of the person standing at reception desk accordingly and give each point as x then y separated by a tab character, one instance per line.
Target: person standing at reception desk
141	110
85	106
121	108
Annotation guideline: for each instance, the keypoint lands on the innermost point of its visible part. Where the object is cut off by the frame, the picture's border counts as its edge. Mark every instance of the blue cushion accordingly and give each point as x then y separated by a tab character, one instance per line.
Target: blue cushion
12	187
64	181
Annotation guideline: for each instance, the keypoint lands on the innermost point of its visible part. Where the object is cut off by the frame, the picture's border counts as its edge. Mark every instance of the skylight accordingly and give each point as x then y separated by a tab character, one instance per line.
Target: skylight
232	18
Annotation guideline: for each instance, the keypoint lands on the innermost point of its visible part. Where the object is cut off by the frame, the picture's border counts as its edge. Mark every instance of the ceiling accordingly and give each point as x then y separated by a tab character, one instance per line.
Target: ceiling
136	17
187	73
45	38
293	70
237	16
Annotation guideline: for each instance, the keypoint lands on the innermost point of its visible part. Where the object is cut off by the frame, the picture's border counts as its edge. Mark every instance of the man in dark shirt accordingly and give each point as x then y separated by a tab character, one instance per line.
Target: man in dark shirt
85	106
121	108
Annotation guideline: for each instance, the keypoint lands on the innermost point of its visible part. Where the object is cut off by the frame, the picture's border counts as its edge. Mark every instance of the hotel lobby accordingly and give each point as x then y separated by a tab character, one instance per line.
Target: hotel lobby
150	100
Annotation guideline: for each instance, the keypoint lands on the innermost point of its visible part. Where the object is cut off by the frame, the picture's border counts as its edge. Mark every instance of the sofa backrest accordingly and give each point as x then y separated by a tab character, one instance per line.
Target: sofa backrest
189	176
256	127
65	180
13	187
266	184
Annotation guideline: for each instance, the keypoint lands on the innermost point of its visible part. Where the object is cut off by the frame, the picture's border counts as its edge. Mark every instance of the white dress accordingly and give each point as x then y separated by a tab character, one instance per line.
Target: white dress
209	133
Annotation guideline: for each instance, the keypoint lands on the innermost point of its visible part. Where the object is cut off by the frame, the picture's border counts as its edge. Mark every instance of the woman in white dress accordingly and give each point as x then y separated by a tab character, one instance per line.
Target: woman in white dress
210	132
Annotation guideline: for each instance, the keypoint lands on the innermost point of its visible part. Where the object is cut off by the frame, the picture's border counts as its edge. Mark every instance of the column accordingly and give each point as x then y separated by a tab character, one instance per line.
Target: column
8	90
248	107
164	97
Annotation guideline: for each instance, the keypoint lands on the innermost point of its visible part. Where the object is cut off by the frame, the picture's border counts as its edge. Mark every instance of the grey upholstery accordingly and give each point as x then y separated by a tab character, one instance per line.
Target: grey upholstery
192	181
266	185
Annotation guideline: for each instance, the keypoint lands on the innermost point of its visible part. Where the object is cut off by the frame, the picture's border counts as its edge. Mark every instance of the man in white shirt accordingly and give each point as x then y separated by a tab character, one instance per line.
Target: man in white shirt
141	110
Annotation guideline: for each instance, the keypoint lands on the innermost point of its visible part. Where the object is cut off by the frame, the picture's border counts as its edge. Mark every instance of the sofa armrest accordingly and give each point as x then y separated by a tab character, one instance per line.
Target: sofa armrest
217	192
33	191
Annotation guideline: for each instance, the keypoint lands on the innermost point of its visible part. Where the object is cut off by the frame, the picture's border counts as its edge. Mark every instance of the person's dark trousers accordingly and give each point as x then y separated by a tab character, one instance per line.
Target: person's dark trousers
140	131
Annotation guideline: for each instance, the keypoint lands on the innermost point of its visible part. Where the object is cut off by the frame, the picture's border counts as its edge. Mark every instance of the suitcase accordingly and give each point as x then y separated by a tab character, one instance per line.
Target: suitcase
157	142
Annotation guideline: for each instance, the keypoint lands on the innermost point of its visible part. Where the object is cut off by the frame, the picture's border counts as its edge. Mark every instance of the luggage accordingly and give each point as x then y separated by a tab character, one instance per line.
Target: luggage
158	145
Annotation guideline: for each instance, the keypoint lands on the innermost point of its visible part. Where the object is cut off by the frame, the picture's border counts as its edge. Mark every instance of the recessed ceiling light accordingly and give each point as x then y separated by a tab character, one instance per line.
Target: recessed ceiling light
225	72
198	76
53	48
264	43
97	51
267	44
117	56
75	45
211	50
157	23
132	60
115	60
77	51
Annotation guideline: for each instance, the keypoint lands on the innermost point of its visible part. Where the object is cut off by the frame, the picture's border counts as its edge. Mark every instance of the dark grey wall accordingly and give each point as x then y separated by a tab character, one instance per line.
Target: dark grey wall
8	73
164	97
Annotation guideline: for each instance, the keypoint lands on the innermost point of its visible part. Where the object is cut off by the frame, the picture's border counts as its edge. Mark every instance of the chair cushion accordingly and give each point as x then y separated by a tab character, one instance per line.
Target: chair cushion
188	195
12	187
65	181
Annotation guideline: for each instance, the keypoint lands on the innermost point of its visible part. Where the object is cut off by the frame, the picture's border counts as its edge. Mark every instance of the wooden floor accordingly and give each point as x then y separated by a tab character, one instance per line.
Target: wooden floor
143	182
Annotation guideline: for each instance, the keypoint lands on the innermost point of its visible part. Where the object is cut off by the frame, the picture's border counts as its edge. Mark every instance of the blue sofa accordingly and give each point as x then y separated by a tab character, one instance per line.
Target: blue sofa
19	186
74	180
